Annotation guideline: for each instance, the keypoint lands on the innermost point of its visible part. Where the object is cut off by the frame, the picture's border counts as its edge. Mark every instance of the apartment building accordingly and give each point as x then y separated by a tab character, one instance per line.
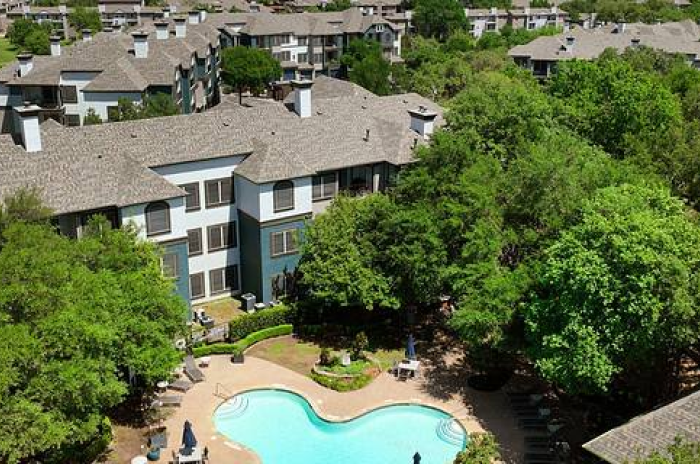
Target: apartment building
542	54
227	193
177	58
494	19
307	44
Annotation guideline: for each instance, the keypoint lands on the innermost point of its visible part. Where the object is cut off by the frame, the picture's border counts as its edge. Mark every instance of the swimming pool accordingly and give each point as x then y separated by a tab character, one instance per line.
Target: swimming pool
282	428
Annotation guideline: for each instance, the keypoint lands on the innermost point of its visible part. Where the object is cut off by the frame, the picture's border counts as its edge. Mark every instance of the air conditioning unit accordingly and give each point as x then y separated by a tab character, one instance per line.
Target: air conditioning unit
248	302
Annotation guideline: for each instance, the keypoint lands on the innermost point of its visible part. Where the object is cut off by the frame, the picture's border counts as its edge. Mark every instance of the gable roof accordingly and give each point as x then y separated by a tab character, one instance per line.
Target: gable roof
112	164
653	431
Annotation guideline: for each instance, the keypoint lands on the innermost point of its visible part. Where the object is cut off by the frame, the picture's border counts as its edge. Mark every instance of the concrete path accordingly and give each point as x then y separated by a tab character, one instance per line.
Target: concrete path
476	411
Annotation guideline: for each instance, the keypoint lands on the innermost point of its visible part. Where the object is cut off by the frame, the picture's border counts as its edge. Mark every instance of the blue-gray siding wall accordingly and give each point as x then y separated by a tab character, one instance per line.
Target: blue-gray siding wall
249	235
257	265
279	264
182	283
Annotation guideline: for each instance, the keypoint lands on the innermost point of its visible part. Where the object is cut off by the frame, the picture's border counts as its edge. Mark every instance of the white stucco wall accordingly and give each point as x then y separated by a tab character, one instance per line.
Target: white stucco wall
135	214
100	101
248	197
200	172
79	80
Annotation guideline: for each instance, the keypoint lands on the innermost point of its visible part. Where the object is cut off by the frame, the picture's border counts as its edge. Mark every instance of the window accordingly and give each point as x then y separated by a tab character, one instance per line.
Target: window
317	41
282	56
197	285
283	199
302	58
218	192
194	242
192	198
221	236
69	94
283	243
157	218
223	280
112	113
318	58
282	285
73	119
169	264
303	41
324	186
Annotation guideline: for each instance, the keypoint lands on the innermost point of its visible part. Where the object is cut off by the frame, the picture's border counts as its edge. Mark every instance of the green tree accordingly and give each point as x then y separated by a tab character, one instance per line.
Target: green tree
85	18
77	318
617	292
680	452
337	5
626	112
338	264
248	68
367	66
481	449
439	18
157	105
91	118
28	35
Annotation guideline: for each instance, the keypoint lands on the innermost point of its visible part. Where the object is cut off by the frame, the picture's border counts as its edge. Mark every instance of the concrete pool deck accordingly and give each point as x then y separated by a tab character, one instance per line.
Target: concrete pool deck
476	411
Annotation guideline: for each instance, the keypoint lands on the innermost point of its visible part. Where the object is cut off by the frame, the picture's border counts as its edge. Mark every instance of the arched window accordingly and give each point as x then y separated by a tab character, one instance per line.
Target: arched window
157	218
283	196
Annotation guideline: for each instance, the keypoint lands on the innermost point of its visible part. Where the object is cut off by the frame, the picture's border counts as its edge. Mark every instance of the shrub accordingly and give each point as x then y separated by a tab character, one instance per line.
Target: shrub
482	449
359	345
245	325
325	357
341	384
241	345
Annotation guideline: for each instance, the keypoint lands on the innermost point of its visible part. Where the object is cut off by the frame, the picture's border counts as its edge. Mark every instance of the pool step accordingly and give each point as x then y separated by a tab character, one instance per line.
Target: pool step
450	431
233	408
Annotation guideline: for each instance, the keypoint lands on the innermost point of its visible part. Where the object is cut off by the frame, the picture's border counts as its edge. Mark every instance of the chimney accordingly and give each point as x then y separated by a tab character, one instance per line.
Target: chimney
180	28
202	15
423	121
166	12
193	17
553	10
140	44
87	35
302	98
161	30
55	45
28	116
570	41
26	63
621	27
102	8
493	11
63	9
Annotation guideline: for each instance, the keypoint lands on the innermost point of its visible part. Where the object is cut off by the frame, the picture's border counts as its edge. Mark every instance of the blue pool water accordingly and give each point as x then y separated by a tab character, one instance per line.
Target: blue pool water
282	428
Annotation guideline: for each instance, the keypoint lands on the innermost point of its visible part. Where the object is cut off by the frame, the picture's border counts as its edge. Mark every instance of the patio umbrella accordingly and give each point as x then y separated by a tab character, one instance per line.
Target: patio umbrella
410	348
416	458
188	439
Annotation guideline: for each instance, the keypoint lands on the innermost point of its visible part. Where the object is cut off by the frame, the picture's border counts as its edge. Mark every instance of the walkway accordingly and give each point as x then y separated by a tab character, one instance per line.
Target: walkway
476	411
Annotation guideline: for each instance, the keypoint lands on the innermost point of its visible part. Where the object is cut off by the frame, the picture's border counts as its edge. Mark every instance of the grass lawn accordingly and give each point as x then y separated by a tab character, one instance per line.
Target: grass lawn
289	352
8	52
223	310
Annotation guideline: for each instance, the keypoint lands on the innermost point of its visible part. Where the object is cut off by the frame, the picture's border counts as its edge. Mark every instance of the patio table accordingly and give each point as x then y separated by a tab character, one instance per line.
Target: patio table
195	457
411	367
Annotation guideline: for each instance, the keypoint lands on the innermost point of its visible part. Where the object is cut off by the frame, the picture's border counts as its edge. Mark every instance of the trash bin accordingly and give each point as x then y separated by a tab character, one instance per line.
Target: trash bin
248	302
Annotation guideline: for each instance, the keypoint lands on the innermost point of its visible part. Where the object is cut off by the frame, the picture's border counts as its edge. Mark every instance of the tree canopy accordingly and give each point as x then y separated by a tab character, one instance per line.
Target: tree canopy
85	18
78	320
27	35
439	18
367	66
248	68
153	106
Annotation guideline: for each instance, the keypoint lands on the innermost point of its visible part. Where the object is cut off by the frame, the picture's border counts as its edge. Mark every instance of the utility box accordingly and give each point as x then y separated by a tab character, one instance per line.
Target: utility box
258	306
248	302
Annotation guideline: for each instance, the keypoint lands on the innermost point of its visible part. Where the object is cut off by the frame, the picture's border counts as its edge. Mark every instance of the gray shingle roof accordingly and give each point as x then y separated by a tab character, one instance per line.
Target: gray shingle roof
110	164
681	37
654	431
111	54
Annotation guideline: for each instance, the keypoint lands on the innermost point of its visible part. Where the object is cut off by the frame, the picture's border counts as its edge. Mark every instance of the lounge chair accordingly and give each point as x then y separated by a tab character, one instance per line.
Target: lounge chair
180	385
191	369
170	400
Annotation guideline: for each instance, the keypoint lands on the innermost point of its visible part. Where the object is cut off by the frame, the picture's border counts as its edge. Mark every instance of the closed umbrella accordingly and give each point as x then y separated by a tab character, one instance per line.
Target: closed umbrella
188	439
410	347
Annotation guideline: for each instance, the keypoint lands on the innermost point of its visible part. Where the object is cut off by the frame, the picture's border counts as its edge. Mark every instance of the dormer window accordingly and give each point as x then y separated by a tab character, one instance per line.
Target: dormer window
157	218
283	196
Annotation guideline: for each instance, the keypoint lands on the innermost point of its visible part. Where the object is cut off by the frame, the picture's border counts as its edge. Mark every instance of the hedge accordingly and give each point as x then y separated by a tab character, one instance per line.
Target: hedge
241	345
245	325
